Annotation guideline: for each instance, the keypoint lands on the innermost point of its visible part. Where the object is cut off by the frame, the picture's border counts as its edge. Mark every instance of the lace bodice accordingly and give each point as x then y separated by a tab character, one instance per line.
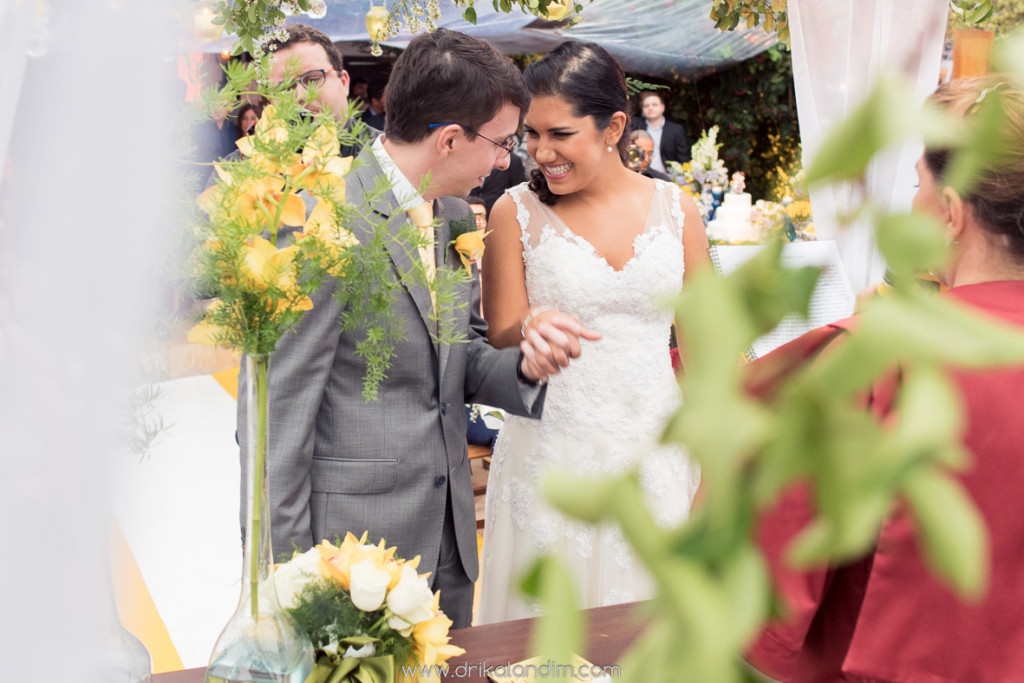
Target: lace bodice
630	364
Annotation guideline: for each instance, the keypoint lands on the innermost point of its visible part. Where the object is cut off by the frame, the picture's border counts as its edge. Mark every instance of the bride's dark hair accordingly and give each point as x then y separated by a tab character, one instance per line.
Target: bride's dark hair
587	77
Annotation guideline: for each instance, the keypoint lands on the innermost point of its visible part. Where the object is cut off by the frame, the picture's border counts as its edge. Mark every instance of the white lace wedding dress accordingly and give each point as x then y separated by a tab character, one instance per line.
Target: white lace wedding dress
602	416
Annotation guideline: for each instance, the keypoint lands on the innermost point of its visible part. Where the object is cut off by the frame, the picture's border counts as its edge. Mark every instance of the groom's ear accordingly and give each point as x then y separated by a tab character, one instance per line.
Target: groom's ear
444	141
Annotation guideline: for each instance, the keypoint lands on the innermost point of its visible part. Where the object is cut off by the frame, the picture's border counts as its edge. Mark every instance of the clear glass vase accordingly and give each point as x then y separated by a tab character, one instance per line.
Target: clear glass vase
122	658
261	642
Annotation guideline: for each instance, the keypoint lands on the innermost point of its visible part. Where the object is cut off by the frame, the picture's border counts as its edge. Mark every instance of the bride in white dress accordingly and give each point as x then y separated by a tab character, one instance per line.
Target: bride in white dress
592	238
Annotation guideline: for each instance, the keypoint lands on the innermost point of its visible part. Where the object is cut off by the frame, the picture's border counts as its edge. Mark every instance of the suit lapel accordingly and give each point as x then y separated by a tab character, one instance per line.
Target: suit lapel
402	254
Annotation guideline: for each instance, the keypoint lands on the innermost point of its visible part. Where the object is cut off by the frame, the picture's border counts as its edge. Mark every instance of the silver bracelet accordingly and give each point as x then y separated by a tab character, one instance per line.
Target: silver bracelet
534	312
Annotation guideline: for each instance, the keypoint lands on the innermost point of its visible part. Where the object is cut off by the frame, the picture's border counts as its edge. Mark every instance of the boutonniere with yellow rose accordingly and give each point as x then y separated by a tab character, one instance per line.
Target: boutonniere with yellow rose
468	240
370	615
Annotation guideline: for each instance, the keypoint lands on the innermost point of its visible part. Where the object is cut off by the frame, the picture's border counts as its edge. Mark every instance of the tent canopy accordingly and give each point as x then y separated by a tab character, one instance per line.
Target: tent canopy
661	38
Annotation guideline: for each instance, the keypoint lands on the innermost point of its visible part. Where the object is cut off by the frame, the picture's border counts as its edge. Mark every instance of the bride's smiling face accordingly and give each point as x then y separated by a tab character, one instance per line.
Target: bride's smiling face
568	149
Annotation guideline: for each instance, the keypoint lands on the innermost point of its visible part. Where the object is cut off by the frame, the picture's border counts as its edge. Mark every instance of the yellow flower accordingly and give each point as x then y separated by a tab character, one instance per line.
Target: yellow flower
800	210
260	197
321	226
337	562
269	129
267	266
470	246
320	170
264	267
431	640
203	332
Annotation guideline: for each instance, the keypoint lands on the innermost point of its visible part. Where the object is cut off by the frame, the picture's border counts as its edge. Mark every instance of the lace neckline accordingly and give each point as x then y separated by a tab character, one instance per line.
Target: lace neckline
588	245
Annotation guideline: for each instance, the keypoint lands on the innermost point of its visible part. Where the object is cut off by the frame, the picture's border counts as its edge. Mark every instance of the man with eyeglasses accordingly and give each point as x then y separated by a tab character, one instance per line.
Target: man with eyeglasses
397	467
309	58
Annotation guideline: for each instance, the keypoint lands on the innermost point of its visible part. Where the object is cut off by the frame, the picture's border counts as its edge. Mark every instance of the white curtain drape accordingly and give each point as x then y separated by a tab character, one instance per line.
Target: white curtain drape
16	20
84	106
839	48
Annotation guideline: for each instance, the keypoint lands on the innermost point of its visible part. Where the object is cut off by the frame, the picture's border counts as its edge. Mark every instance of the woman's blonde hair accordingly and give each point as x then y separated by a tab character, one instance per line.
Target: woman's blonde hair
997	197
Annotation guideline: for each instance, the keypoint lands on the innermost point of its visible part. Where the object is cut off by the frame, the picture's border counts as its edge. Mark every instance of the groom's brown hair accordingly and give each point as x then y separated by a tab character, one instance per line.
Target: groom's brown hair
449	77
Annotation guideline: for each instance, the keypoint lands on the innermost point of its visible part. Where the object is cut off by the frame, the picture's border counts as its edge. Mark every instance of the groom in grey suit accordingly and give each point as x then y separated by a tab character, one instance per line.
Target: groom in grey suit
398	466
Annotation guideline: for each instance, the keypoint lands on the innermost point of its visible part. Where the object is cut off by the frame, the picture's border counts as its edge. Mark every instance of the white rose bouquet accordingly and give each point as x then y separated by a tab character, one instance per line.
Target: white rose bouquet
370	615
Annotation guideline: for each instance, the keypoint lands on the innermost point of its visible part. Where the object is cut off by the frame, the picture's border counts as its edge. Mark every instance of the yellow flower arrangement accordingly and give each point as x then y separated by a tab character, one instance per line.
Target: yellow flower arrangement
358	594
799	210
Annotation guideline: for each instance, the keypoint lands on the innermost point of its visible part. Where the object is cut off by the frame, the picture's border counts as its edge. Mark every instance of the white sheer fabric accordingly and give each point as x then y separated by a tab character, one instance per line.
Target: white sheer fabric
15	29
83	195
839	48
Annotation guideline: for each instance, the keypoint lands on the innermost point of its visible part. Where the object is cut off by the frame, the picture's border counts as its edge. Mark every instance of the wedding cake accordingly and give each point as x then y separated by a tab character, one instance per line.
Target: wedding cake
732	220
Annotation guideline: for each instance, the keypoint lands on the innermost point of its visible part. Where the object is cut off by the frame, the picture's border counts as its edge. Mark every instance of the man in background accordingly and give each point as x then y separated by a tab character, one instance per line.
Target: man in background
669	137
645	144
376	101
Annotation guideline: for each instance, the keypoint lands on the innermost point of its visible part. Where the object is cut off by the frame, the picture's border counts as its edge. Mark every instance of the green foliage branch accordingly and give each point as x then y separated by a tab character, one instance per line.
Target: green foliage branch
324	611
253	319
1005	16
713	590
256	22
773	15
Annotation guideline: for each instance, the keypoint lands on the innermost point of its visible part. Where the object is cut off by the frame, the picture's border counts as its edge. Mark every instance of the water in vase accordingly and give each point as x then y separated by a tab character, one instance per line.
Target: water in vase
249	660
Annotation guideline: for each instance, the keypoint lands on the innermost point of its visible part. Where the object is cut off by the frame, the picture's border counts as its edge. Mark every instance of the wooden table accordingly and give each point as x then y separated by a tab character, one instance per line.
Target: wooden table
611	630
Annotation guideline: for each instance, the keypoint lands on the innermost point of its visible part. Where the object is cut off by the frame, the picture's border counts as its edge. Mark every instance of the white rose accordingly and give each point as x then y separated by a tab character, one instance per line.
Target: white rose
411	598
368	586
401	625
291	577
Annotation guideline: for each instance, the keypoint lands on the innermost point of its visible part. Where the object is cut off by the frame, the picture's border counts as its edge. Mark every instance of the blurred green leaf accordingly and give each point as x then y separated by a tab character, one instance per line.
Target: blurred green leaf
559	632
745	583
1008	56
983	148
919	327
980	13
929	411
585	499
888	115
952	532
469	15
911	243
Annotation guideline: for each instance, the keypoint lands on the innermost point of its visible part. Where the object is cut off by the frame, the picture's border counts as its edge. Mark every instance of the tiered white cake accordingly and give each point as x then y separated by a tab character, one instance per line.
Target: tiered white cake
732	220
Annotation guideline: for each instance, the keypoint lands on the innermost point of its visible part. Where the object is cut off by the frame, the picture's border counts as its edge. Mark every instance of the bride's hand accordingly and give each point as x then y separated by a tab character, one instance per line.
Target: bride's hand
550	340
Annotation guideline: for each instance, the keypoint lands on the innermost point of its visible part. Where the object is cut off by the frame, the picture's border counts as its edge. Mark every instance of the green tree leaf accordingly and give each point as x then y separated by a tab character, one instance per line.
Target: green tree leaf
888	115
559	632
952	531
911	243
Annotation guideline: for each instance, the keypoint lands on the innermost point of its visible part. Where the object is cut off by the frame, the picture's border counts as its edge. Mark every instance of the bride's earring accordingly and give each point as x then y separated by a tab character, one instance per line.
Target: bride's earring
610	148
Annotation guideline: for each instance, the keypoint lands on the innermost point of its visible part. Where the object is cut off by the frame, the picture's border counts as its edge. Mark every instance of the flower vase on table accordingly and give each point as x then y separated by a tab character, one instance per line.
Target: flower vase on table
261	643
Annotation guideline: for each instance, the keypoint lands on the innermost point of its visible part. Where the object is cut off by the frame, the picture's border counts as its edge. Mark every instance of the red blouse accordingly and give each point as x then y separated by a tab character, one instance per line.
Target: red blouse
885	617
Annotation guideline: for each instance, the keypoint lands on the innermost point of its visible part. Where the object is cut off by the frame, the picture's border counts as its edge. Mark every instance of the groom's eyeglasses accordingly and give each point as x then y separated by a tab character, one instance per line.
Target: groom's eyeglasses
313	79
507	146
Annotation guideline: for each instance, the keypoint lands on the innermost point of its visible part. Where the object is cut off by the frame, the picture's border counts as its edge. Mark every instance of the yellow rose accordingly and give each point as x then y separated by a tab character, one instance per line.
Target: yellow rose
470	246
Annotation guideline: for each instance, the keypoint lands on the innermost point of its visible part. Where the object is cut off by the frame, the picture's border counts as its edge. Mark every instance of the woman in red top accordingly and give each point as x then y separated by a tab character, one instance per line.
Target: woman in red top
886	617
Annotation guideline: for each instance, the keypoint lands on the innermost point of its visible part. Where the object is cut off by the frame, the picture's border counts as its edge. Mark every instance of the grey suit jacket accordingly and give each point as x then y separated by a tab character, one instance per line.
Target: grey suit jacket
339	464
